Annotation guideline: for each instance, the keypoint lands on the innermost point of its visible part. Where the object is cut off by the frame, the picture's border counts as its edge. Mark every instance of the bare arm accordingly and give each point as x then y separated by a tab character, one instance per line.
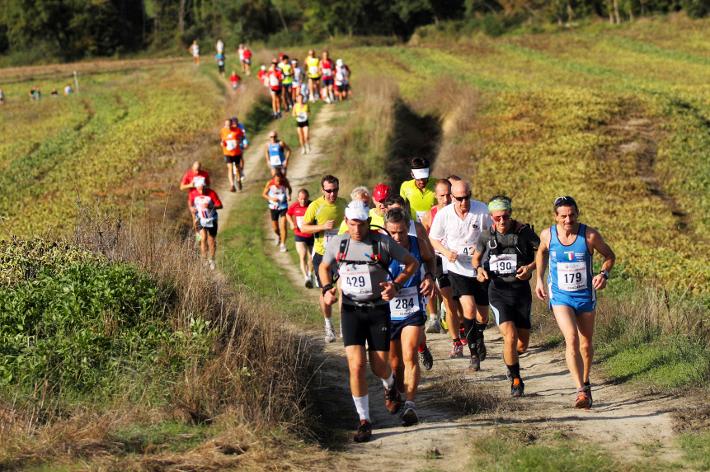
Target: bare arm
388	289
596	242
265	193
441	249
541	263
287	152
314	228
291	221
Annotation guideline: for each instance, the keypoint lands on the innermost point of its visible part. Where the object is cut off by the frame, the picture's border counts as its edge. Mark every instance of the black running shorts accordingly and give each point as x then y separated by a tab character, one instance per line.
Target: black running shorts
233	159
361	324
302	124
462	286
211	231
442	279
276	214
317	259
417	319
511	303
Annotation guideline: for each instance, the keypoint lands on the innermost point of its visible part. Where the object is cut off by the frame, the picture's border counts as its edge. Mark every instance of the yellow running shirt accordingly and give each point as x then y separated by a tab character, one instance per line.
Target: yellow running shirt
420	202
320	211
313	67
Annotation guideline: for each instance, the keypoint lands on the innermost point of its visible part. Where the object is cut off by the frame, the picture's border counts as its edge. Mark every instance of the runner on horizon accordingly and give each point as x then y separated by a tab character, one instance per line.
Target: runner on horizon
327	72
361	259
231	140
203	203
568	248
313	72
273	79
407	312
245	56
194	49
322	219
297	80
454	234
301	111
277	154
277	192
303	241
505	255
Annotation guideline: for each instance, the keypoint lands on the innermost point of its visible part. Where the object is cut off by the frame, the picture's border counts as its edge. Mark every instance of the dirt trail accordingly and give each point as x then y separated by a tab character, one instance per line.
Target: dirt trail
621	421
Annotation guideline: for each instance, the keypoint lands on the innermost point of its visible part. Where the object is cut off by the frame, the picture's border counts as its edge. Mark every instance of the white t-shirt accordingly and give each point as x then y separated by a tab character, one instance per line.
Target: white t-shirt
460	234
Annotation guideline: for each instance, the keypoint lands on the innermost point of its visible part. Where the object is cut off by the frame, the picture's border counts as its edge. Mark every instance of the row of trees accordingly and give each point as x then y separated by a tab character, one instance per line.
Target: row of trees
77	28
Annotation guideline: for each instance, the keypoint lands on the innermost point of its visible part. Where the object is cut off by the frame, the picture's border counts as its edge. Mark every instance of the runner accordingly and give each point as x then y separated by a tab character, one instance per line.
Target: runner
219	46
301	111
407	312
220	58
313	71
246	60
361	259
419	191
287	82
327	72
322	219
204	203
452	307
231	140
303	241
243	144
263	76
297	80
2	97
505	255
234	80
277	153
188	178
572	287
277	192
454	233
274	78
194	49
380	194
342	80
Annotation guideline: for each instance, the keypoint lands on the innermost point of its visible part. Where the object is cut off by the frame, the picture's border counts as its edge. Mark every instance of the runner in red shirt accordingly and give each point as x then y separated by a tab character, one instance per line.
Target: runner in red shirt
234	80
204	203
274	78
246	60
187	182
327	70
304	241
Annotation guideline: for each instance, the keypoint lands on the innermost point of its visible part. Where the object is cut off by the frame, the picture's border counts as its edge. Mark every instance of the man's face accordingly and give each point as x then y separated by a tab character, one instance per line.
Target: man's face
380	207
196	166
443	195
358	229
502	220
330	191
365	198
302	198
461	198
566	216
399	232
421	183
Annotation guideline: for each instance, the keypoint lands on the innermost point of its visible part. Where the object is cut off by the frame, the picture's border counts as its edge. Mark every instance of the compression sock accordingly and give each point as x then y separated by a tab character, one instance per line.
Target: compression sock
470	331
481	327
514	370
388	382
362	405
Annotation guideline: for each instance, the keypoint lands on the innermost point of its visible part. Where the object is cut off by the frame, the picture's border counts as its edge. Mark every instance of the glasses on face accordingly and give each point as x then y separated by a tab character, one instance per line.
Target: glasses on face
330	190
498	218
462	199
272	137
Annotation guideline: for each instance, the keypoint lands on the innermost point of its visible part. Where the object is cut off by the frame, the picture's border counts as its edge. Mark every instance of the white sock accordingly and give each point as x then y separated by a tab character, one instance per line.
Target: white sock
432	316
328	323
388	382
362	405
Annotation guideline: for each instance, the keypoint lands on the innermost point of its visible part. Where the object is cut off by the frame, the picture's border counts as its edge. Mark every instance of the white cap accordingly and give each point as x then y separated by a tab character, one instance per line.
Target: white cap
339	62
357	210
198	181
421	173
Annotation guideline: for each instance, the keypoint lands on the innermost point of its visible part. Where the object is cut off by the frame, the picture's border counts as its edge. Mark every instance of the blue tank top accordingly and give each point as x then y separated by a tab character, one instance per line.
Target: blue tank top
276	154
570	273
408	301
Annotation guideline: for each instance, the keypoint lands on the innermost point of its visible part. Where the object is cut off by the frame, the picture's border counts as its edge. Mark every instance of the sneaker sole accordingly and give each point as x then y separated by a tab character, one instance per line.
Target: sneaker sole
410	418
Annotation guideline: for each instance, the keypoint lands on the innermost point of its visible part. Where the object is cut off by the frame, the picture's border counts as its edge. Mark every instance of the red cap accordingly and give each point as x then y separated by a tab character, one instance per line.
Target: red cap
381	192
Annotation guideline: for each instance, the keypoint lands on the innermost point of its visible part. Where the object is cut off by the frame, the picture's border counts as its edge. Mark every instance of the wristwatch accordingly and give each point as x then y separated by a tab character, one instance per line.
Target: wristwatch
604	274
327	287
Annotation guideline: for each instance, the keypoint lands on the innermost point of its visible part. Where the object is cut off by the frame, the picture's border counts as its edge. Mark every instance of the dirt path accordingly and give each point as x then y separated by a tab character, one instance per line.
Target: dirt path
621	421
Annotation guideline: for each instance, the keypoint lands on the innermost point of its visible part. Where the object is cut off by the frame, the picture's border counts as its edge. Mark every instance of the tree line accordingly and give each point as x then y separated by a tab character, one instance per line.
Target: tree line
72	29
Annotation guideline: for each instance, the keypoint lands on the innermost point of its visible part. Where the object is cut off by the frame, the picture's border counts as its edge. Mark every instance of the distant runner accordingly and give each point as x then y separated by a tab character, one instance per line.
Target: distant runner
301	111
303	241
194	49
246	60
231	140
277	153
220	59
274	78
322	219
204	203
407	312
277	192
219	46
297	80
361	259
568	247
188	178
454	234
505	255
327	71
342	80
419	191
286	82
234	80
313	71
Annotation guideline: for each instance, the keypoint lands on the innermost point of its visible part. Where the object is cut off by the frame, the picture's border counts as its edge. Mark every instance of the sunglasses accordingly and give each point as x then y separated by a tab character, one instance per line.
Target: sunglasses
461	199
330	190
504	217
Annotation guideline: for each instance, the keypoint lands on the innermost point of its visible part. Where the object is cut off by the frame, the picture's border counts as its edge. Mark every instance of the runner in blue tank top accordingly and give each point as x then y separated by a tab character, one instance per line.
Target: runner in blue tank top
568	247
407	311
277	154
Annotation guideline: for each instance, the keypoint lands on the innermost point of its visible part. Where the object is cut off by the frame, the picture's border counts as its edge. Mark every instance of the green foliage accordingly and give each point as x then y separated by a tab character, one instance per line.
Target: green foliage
696	447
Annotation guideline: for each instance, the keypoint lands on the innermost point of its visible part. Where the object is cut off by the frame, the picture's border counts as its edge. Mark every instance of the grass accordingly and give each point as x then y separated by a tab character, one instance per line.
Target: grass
696	447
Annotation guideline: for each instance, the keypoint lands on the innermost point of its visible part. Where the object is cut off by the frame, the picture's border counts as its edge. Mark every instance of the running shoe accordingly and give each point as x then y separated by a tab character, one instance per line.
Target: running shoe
364	432
308	282
475	364
583	400
456	351
426	358
282	248
277	241
239	185
588	391
393	402
232	188
329	334
409	415
432	325
517	387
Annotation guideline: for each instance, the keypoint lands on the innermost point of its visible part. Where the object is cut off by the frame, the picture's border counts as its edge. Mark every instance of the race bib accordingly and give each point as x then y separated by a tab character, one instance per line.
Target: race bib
355	280
313	70
571	276
504	264
405	303
302	117
327	72
299	222
231	144
274	81
275	160
464	264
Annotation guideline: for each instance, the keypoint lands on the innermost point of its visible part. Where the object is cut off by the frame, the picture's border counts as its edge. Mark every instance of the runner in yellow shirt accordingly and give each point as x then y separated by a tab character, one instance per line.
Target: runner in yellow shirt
313	73
322	219
420	192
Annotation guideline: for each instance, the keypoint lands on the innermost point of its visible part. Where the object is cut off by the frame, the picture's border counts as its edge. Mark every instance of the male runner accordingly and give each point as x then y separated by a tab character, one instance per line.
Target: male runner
419	191
322	219
313	73
407	312
303	241
361	259
505	255
203	203
342	80
569	247
287	81
277	192
327	71
277	153
188	178
231	141
454	234
274	78
246	60
380	193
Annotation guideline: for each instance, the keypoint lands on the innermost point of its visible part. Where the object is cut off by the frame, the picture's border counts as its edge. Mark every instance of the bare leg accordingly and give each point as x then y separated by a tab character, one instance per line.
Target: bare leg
411	336
567	322
585	327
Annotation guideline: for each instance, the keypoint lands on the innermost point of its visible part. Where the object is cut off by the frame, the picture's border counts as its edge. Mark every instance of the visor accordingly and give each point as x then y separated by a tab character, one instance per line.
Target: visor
421	173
